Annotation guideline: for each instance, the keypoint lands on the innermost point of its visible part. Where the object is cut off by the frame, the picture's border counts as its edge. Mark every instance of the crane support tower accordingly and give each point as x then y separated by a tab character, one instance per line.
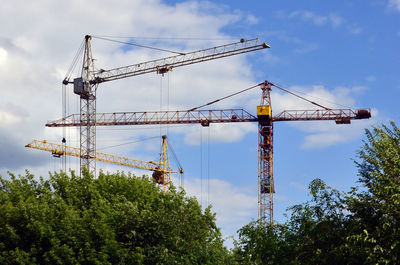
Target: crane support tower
264	117
86	85
266	187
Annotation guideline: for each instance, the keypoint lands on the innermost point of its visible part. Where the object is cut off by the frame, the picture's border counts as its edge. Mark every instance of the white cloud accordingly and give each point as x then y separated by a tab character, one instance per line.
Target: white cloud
318	20
252	20
235	206
333	20
336	20
394	4
310	16
3	56
370	78
7	118
307	48
354	29
301	45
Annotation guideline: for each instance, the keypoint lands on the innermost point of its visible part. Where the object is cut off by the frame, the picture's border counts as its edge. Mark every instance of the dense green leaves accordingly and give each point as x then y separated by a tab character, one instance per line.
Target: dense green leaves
114	219
359	227
376	208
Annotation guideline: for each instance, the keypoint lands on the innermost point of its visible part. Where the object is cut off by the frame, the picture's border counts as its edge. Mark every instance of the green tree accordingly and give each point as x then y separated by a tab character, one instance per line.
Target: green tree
112	219
262	245
359	227
375	205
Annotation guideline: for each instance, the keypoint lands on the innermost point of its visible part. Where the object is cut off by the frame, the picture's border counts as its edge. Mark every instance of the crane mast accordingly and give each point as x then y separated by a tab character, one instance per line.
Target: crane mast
86	85
264	118
87	91
266	187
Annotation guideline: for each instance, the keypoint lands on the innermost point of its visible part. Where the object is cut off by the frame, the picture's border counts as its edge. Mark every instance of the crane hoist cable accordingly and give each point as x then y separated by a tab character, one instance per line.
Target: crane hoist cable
217	100
126	143
175	158
138	45
311	96
303	98
208	167
78	55
167	38
249	88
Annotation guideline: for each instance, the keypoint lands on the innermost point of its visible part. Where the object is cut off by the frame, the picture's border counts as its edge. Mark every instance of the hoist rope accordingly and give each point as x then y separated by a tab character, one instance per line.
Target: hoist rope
303	98
138	45
201	167
78	54
161	104
208	168
217	100
174	156
167	101
311	96
166	38
126	143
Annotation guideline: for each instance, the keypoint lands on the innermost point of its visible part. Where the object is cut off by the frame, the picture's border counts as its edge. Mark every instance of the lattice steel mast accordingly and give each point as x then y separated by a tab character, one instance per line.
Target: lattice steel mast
266	187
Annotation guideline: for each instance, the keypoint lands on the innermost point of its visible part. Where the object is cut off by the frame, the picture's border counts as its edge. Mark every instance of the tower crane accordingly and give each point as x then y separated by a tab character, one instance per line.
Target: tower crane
161	170
264	118
86	85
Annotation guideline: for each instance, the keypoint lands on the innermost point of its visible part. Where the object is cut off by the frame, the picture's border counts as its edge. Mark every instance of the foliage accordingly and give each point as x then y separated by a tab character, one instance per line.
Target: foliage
112	219
376	209
359	227
262	245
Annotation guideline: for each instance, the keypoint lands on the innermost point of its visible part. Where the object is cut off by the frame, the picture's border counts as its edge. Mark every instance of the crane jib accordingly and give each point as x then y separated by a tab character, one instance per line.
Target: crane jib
178	60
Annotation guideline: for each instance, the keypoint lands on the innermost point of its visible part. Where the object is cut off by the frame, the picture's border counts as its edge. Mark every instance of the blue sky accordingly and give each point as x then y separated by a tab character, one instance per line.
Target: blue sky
341	52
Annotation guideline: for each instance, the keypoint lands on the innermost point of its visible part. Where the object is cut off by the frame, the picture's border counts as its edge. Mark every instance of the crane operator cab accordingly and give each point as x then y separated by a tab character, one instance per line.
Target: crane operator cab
158	177
264	114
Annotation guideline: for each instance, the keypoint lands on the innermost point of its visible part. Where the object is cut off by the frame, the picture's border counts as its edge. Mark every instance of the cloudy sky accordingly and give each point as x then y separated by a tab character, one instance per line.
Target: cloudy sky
338	53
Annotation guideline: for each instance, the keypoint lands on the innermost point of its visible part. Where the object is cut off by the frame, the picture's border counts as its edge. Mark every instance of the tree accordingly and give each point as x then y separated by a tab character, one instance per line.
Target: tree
314	233
358	227
375	206
258	244
114	219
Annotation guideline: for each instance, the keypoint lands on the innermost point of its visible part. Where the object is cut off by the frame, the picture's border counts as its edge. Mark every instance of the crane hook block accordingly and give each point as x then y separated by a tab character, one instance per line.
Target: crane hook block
164	69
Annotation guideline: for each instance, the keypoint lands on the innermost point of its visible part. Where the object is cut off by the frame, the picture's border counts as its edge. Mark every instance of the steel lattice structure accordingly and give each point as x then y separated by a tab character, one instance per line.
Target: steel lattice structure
161	169
264	118
86	85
